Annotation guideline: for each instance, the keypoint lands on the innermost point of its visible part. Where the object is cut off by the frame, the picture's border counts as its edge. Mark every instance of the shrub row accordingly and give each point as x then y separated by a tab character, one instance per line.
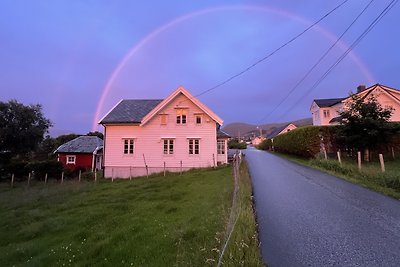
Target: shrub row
235	144
303	141
19	168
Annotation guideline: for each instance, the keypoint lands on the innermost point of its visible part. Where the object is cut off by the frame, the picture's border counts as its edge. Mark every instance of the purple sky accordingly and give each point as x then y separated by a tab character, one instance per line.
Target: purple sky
62	54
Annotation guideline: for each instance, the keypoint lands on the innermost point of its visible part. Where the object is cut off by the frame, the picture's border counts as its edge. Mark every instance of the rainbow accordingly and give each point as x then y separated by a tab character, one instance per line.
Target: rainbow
324	32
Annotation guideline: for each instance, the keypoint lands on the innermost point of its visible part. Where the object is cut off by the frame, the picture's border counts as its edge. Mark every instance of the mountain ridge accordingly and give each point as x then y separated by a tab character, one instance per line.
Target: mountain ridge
242	129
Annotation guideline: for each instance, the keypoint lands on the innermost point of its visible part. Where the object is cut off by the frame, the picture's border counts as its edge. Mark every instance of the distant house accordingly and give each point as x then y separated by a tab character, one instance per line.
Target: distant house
326	111
148	136
257	140
281	130
83	152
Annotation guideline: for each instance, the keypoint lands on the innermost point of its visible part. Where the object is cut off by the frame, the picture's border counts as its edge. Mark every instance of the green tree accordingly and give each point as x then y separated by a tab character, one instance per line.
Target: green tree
96	133
22	128
365	124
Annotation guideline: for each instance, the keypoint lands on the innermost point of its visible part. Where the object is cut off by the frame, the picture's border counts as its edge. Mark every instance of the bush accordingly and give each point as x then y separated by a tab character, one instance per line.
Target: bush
266	144
53	168
307	141
235	144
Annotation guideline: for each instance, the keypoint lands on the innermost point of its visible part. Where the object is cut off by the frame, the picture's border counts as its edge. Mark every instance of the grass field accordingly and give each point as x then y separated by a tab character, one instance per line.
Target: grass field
370	175
157	221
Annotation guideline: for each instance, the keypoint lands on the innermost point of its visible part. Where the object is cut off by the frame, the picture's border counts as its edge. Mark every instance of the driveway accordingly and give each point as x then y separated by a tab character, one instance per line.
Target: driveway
308	218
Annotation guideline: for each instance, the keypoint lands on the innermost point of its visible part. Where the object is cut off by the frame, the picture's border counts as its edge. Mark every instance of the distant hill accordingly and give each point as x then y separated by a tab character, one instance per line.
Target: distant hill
247	130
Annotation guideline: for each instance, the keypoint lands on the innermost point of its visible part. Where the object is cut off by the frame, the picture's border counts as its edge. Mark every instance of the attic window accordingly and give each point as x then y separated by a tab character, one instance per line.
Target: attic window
181	116
71	159
198	119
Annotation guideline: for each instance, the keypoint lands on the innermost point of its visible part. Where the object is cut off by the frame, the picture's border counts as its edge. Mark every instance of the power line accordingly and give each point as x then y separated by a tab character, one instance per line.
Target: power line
354	44
272	53
316	64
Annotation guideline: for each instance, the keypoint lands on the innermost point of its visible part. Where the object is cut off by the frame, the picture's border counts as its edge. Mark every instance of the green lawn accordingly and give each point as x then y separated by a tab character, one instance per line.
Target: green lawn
157	221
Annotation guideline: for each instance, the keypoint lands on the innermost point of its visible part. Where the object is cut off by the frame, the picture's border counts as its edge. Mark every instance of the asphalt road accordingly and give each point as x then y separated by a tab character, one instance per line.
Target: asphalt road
308	218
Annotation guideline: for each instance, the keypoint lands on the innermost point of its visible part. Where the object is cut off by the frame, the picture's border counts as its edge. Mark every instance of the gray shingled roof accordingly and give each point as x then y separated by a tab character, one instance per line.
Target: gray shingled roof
336	119
81	144
130	111
323	103
221	134
277	131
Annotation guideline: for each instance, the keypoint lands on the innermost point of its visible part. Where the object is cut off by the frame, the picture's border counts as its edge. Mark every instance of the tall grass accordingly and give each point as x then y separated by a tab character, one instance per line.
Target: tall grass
243	247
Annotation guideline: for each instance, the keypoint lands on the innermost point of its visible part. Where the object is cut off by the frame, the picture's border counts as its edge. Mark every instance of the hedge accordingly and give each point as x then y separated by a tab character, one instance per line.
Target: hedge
306	141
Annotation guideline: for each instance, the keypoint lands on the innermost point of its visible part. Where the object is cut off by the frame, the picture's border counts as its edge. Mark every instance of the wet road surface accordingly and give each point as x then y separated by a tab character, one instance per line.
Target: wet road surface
308	218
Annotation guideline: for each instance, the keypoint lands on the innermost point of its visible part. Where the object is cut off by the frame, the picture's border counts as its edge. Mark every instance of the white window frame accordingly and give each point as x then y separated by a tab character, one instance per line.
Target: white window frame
194	146
198	116
221	147
181	116
68	157
128	146
326	113
168	146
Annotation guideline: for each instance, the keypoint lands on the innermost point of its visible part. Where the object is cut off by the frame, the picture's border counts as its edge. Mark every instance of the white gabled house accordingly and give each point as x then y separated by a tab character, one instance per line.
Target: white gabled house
176	133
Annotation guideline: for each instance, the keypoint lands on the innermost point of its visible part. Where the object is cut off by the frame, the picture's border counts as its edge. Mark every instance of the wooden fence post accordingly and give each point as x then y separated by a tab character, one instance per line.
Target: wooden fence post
181	167
392	152
80	173
382	162
164	168
325	155
359	159
339	157
62	177
112	174
45	179
130	173
29	179
95	175
214	160
12	180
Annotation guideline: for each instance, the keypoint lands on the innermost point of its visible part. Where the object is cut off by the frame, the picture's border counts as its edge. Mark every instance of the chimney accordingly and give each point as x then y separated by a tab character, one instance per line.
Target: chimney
360	88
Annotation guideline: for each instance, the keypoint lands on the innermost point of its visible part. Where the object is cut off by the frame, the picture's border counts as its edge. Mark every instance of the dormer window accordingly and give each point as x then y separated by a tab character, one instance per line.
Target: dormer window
181	116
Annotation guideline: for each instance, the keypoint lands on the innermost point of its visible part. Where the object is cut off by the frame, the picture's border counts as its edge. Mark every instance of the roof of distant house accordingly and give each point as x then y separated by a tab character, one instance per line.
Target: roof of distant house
130	111
323	103
278	130
336	119
221	134
81	144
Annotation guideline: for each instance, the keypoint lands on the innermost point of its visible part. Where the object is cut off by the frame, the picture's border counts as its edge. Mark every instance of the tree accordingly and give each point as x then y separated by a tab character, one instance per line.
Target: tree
365	124
96	133
22	128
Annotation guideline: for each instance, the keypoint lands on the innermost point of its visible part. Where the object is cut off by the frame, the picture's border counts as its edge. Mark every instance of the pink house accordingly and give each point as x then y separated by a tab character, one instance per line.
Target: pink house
149	136
326	111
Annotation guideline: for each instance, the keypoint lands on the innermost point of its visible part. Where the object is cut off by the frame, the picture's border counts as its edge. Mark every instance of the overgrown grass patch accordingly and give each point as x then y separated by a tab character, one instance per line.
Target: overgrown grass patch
177	220
243	247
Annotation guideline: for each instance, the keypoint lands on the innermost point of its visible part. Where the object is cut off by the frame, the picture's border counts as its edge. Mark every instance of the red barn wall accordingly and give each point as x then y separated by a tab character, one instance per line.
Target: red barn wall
81	161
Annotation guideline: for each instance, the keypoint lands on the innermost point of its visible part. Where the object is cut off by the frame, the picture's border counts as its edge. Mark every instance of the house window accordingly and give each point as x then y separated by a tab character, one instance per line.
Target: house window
221	146
326	114
71	159
168	146
194	146
128	146
180	116
198	119
163	119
